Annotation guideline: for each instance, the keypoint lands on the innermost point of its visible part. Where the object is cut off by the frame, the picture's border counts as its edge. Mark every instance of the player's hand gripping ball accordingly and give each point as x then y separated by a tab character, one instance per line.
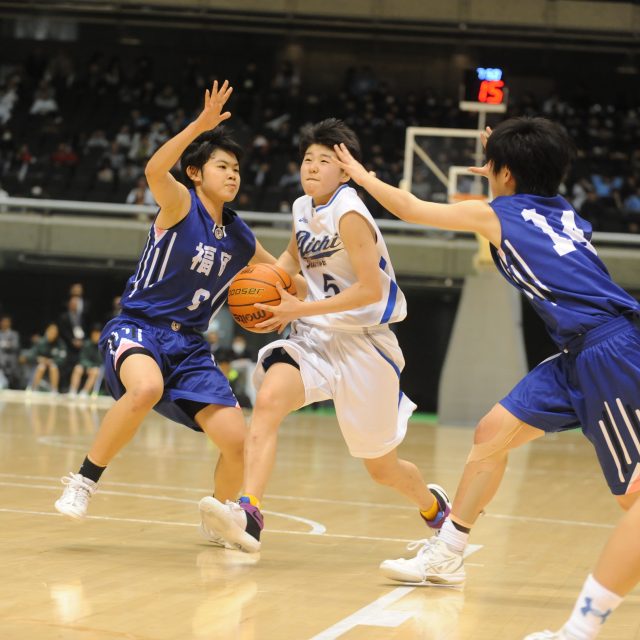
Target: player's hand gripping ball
257	283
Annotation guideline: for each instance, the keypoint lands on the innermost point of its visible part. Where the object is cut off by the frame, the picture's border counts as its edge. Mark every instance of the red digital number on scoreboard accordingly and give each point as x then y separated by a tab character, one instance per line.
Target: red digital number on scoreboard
491	92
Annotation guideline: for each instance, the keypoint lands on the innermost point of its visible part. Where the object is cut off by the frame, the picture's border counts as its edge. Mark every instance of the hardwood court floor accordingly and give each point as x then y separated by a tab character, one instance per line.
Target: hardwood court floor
137	569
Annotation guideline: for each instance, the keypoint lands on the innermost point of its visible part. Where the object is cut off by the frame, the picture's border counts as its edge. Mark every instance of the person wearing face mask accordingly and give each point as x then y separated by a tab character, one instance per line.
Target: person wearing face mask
239	348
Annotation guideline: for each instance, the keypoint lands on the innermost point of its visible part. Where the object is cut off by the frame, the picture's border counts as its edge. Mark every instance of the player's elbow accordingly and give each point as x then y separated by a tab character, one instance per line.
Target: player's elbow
372	293
150	170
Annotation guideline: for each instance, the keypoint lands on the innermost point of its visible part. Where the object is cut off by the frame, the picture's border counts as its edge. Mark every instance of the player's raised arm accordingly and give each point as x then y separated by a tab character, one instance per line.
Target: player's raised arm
470	215
171	195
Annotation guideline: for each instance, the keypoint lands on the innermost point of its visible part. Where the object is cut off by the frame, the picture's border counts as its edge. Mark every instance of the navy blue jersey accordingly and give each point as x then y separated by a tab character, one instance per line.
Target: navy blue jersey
545	251
184	271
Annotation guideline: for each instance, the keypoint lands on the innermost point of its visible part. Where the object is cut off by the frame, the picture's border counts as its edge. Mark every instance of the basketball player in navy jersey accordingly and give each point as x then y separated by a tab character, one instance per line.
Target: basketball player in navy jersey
340	346
154	353
542	247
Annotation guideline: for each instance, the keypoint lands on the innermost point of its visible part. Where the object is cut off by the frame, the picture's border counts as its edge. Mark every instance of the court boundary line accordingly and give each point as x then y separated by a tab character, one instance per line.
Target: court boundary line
177	523
375	614
500	516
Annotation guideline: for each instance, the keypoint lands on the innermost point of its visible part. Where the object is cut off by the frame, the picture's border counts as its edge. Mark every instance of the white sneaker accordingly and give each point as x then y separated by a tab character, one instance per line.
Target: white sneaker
229	521
74	500
548	635
434	563
211	536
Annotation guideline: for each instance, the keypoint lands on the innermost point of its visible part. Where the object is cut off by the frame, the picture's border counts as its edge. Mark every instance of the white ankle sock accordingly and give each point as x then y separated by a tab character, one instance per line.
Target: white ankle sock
593	608
454	539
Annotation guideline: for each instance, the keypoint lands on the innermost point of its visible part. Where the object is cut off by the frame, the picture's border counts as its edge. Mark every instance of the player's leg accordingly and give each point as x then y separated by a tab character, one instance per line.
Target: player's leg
440	559
226	428
143	383
618	568
405	477
495	435
607	375
373	413
616	573
240	524
541	398
281	393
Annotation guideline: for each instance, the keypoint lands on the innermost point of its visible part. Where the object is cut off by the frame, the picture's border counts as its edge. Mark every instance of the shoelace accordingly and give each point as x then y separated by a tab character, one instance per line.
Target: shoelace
424	544
81	489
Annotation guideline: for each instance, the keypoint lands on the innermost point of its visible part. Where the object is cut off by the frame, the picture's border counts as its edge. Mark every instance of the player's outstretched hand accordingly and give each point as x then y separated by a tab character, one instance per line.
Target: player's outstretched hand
482	171
289	309
484	136
349	164
214	102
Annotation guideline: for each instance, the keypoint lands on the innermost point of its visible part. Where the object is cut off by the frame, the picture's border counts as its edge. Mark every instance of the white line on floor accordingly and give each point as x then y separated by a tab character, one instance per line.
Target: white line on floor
369	505
373	615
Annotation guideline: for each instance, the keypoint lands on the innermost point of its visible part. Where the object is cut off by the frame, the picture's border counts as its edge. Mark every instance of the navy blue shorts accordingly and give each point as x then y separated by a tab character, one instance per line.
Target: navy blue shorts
189	370
594	386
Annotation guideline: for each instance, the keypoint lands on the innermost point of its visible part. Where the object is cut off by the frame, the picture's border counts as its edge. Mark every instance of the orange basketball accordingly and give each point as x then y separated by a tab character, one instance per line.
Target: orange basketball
256	283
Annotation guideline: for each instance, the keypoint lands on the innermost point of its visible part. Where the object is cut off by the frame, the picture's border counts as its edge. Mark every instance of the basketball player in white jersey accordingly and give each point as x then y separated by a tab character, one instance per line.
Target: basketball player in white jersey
340	346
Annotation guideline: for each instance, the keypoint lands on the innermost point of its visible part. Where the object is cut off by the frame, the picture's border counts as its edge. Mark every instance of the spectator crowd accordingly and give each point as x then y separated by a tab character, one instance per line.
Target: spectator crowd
65	357
84	129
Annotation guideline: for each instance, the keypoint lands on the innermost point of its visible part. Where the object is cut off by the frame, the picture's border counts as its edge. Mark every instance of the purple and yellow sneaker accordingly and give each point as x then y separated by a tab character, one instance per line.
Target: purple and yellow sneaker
444	506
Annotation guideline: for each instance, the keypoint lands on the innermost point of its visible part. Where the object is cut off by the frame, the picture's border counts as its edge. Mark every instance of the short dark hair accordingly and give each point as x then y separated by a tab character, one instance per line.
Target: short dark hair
537	152
327	133
201	149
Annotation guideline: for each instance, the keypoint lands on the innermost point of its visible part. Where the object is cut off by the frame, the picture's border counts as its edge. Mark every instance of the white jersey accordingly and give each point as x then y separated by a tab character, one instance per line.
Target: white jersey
327	268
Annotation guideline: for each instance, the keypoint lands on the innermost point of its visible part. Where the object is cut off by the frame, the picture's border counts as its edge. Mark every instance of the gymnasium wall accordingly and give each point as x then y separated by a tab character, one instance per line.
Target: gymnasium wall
562	14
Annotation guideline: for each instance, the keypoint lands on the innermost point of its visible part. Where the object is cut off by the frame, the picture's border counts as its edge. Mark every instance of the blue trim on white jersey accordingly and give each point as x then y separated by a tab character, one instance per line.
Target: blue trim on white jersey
393	294
395	368
333	197
389	360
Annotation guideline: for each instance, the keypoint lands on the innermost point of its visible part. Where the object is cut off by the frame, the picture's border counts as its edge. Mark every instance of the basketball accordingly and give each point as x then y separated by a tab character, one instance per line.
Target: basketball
256	283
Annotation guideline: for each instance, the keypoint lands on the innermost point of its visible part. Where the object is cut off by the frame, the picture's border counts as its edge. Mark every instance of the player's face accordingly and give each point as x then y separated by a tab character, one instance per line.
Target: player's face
221	176
319	176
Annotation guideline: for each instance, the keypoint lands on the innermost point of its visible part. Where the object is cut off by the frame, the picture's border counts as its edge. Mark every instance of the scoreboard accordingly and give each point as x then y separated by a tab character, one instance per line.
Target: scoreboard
484	89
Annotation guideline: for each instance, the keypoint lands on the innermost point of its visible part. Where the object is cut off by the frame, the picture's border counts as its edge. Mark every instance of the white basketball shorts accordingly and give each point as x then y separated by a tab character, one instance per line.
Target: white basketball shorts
359	371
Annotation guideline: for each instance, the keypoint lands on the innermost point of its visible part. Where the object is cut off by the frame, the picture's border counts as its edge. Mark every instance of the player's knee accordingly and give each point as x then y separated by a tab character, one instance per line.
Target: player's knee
486	430
627	501
270	402
145	395
232	450
490	442
380	473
